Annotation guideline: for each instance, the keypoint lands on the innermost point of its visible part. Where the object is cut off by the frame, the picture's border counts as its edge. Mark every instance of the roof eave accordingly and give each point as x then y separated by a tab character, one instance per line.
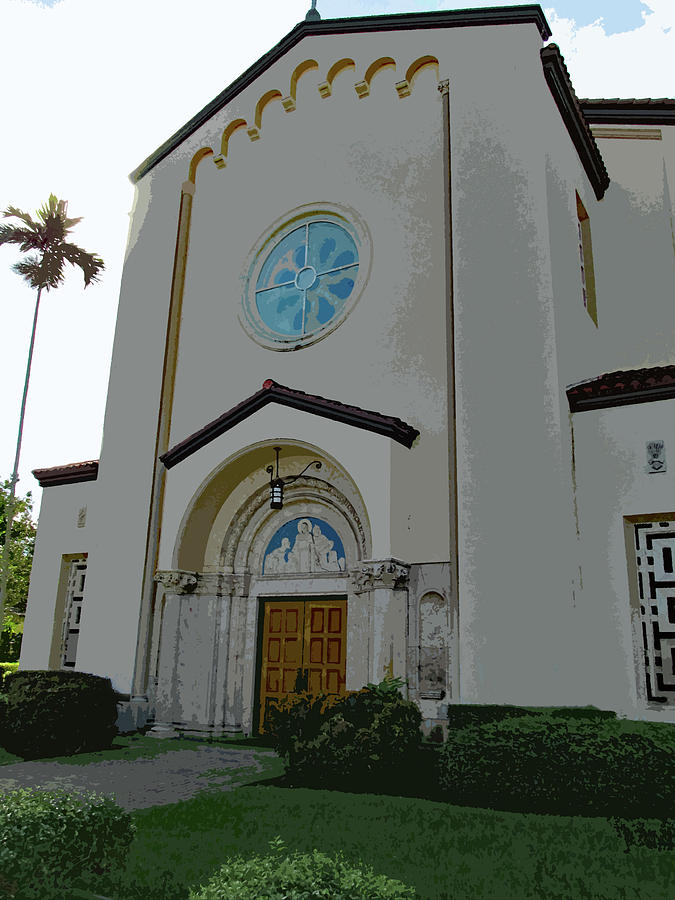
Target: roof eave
558	80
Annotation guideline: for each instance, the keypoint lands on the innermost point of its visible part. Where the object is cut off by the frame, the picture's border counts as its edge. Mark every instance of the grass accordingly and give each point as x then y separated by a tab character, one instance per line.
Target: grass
445	852
441	850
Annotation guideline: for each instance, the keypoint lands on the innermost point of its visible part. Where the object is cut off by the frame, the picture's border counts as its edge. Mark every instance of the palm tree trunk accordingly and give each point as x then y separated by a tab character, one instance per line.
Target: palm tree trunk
9	509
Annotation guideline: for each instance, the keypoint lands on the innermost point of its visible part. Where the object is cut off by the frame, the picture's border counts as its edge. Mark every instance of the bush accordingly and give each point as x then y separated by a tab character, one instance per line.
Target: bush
350	741
464	715
58	714
582	712
6	668
50	839
298	877
544	764
657	834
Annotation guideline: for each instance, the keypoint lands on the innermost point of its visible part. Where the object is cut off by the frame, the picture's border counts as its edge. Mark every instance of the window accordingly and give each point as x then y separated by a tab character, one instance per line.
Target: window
303	279
71	626
586	260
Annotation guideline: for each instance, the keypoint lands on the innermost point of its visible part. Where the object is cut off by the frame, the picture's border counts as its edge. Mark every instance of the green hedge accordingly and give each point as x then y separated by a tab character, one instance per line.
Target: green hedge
546	764
298	877
463	715
57	713
361	739
50	839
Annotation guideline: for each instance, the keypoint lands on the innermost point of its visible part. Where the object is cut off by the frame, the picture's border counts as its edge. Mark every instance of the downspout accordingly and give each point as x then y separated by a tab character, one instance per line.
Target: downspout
149	588
444	90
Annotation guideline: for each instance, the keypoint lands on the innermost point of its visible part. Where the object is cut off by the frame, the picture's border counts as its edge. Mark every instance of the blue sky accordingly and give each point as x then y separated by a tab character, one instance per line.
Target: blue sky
83	149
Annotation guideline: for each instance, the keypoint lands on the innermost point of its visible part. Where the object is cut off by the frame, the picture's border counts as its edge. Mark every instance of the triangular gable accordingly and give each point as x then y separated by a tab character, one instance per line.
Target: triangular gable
271	392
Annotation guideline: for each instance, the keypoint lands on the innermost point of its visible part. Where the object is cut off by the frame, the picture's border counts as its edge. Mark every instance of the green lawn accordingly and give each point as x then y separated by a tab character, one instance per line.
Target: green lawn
443	851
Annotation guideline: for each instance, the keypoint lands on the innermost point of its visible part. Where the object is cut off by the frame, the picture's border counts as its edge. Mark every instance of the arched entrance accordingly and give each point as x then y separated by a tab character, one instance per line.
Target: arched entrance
272	596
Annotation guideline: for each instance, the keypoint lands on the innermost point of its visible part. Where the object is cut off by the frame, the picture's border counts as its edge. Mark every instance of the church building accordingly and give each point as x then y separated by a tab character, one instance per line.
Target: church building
392	392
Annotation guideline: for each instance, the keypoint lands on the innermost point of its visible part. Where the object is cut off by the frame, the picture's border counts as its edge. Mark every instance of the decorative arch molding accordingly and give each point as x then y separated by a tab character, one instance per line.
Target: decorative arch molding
325	88
255	523
196	159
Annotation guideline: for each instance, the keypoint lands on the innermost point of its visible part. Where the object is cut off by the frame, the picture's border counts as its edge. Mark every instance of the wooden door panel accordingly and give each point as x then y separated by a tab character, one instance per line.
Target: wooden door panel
302	634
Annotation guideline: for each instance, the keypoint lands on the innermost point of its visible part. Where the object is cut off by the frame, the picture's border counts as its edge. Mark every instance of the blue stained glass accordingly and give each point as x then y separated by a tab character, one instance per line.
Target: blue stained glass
343	288
279	309
300	256
281	263
327	247
326	311
327	243
283	276
344	259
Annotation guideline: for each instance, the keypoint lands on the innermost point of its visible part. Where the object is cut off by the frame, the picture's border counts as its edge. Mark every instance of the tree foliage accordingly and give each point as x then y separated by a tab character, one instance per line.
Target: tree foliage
21	549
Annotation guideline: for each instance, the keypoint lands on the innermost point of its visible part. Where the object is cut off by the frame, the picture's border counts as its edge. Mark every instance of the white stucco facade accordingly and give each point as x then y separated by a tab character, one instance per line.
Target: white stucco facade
476	516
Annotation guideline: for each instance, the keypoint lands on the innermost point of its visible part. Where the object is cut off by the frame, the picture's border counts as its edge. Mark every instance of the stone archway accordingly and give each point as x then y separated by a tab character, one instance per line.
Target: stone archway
207	637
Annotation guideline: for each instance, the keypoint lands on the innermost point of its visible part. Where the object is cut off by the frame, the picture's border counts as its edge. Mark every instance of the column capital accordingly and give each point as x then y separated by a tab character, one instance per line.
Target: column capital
443	87
371	574
177	581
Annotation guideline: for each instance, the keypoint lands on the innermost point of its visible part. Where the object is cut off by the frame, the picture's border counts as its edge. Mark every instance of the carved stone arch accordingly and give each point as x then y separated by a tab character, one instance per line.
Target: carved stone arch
419	64
236	125
385	62
196	159
298	72
255	523
266	98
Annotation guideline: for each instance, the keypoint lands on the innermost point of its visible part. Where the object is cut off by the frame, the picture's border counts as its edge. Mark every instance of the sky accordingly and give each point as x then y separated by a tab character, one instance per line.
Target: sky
92	87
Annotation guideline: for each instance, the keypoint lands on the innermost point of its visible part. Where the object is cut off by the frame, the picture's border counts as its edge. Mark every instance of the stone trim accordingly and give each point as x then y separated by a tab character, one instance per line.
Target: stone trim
177	581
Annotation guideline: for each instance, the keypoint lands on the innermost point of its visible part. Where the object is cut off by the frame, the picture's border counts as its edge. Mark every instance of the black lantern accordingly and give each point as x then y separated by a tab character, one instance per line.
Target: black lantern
277	484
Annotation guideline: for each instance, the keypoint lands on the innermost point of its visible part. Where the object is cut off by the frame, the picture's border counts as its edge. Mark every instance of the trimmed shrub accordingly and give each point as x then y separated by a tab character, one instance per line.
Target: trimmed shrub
542	764
464	715
350	741
657	834
297	877
582	712
50	839
6	668
58	714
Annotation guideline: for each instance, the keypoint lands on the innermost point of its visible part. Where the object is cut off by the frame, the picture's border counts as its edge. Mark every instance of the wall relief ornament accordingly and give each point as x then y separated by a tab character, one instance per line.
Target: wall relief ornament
304	546
177	580
388	573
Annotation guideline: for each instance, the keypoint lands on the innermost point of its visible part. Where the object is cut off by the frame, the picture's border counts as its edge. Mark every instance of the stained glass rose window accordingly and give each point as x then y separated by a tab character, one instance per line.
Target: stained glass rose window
301	286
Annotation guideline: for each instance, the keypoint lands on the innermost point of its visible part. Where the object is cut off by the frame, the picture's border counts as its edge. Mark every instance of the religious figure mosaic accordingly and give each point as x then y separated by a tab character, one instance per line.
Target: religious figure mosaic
304	545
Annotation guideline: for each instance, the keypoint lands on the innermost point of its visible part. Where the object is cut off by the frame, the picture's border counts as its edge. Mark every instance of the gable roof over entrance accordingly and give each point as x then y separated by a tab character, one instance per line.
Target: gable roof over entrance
271	392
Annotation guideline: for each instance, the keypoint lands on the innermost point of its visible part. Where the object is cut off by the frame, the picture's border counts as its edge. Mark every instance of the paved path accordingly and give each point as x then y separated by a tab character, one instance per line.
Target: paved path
139	783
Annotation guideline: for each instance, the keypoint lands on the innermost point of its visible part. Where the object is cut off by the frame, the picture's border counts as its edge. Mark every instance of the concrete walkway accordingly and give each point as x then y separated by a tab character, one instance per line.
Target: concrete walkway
139	783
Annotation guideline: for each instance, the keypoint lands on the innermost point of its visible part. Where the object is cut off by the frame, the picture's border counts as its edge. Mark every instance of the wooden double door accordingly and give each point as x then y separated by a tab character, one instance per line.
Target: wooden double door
306	638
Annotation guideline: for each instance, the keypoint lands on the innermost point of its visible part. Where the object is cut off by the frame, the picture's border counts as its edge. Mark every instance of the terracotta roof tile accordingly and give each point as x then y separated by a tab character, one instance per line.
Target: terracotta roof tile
623	388
70	473
272	392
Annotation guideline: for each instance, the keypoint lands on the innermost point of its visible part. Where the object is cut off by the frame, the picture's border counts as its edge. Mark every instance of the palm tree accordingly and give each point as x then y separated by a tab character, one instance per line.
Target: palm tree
45	236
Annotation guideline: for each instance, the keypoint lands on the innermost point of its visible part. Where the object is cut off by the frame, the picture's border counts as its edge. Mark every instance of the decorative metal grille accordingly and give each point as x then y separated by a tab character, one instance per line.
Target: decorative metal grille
655	556
73	612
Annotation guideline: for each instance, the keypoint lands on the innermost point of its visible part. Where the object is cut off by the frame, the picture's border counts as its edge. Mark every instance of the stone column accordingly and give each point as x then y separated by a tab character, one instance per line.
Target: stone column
176	584
386	583
239	658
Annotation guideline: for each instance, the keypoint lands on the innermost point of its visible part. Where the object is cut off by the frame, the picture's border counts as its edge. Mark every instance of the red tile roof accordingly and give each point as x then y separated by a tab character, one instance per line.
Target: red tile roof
271	392
71	473
623	388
